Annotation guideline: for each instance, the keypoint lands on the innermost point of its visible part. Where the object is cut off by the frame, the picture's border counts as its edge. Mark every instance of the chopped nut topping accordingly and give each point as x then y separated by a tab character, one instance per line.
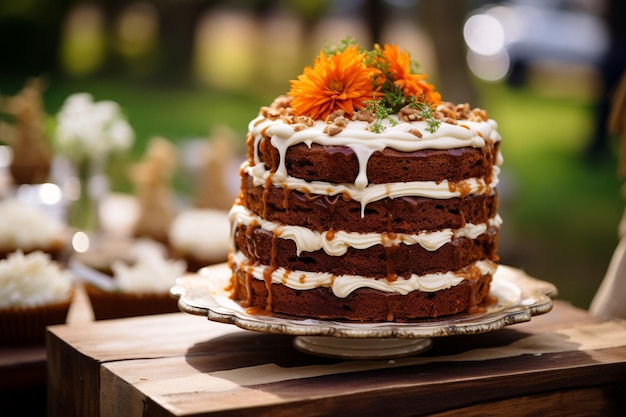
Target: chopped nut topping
450	113
305	120
478	115
364	116
299	126
341	121
409	114
337	113
462	111
273	114
281	102
332	129
415	132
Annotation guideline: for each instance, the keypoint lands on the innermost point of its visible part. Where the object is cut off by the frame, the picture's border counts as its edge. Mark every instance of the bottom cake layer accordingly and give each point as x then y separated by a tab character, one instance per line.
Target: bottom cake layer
364	304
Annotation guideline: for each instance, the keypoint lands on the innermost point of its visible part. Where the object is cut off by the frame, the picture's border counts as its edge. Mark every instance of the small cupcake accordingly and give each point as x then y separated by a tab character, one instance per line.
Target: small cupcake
35	292
29	228
200	237
138	285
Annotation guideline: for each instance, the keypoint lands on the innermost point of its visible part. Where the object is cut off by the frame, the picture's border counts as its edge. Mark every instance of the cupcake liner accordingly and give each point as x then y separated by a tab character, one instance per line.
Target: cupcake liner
116	304
21	326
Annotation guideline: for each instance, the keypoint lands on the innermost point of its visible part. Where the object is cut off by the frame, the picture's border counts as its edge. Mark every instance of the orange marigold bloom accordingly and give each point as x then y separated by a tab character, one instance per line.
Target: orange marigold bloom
397	66
339	81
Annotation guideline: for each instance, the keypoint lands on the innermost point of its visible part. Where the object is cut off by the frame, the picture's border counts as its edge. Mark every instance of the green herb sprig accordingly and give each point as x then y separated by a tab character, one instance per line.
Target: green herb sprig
426	113
381	111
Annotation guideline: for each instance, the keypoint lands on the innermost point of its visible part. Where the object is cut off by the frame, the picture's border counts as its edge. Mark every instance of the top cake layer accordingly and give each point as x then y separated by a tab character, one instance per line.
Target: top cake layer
294	153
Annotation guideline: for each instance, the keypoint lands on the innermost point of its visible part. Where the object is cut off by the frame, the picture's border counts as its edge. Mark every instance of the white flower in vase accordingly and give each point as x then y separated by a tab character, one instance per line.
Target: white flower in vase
91	130
87	133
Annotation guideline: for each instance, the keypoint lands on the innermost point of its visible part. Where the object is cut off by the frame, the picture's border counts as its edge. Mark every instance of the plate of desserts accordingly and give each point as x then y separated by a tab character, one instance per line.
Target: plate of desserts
516	296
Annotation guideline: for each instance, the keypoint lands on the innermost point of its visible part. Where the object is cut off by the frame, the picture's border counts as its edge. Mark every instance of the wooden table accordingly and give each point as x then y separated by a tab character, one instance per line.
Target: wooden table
23	369
183	365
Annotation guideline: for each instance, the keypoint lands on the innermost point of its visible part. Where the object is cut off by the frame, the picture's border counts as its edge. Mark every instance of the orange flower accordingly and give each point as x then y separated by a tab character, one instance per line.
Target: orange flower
338	81
397	66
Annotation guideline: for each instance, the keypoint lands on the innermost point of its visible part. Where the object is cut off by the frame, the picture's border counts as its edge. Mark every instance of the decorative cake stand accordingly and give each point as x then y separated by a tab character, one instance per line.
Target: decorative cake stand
519	297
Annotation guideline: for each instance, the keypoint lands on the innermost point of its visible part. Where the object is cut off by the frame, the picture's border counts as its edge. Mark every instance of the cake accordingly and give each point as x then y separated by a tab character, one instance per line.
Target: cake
364	197
35	292
136	283
200	249
30	228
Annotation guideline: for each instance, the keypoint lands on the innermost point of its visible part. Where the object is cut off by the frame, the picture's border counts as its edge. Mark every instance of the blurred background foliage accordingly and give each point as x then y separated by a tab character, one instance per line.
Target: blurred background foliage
181	69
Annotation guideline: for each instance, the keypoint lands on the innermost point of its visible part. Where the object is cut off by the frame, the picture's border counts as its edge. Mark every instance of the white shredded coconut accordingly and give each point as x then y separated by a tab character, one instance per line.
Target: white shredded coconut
152	272
27	227
32	280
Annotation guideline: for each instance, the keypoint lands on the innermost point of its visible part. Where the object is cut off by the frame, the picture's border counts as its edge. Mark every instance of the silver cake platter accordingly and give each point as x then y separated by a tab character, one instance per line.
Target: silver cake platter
519	298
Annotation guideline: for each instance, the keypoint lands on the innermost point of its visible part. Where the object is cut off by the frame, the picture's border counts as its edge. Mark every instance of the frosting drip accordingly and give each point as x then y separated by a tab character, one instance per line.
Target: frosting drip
374	192
336	243
364	142
343	285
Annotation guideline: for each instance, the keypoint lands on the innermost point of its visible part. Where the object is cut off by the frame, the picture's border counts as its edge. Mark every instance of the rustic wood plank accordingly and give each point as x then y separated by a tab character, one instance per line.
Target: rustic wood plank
76	353
595	401
182	365
181	390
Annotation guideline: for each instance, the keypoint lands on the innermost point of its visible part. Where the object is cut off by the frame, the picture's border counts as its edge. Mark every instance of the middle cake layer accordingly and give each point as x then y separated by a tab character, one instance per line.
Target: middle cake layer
398	215
376	261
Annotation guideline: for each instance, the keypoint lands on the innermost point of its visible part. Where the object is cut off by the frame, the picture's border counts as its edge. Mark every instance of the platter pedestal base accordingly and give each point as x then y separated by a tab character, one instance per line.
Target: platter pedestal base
361	348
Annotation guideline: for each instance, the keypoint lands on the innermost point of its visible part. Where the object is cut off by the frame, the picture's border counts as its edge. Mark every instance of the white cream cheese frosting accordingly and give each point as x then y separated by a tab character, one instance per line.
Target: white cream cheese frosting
364	143
336	243
398	135
33	280
343	285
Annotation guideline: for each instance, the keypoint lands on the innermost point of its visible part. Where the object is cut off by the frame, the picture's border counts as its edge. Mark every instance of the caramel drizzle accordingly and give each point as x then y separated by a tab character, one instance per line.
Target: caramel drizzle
249	277
267	277
472	274
463	188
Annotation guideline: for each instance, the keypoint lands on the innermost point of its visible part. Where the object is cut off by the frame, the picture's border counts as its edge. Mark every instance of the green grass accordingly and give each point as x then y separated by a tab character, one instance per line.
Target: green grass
174	113
563	209
560	211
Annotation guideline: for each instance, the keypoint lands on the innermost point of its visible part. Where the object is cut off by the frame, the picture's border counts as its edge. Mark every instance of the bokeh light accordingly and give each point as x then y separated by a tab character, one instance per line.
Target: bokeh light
484	34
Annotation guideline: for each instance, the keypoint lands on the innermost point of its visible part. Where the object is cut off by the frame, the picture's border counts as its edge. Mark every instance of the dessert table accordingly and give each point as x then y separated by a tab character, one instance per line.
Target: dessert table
23	368
184	365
